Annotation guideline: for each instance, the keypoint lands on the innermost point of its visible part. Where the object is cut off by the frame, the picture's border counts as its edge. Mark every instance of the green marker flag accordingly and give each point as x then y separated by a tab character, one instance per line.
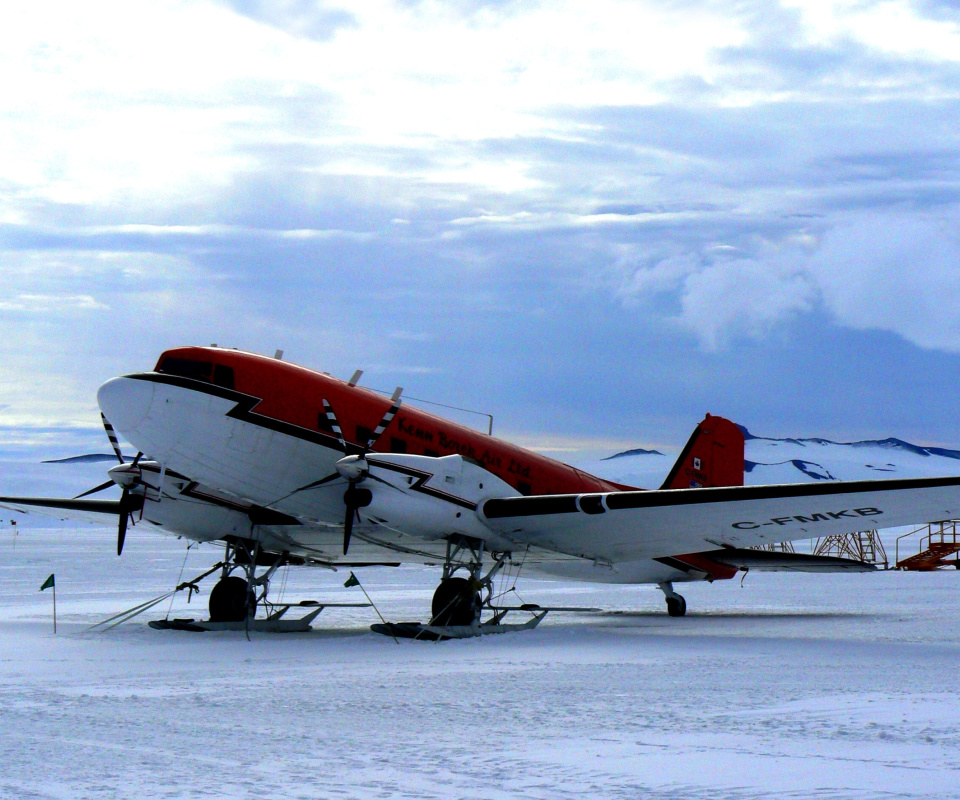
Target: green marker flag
50	583
352	581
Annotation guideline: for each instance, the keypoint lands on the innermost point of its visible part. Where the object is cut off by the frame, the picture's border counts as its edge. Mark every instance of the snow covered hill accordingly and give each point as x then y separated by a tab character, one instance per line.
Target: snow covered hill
790	460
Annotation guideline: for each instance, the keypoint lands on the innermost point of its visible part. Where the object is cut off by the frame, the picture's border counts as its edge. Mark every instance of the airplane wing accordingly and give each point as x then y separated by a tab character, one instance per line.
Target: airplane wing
102	512
625	526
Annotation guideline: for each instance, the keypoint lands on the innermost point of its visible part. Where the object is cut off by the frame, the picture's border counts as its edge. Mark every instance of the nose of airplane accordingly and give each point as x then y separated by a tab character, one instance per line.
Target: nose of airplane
125	402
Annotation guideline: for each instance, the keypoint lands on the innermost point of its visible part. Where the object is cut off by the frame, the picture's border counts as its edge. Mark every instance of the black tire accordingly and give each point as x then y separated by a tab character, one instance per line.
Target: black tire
229	599
676	606
454	603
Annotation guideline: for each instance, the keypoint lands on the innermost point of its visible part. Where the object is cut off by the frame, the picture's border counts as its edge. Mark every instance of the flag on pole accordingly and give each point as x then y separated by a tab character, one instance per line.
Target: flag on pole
51	583
353	581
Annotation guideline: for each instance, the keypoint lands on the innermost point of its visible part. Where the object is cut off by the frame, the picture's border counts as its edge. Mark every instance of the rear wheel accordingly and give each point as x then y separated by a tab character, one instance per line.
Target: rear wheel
676	606
455	602
230	601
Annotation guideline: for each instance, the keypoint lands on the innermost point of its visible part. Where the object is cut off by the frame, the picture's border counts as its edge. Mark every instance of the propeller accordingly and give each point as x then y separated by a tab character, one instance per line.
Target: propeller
127	507
354	468
125	475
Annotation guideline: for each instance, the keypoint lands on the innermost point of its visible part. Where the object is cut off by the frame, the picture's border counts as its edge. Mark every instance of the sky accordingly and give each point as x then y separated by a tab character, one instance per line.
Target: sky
596	221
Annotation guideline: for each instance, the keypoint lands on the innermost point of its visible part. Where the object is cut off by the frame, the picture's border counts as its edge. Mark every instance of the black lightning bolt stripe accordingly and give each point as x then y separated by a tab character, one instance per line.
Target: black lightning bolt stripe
244	410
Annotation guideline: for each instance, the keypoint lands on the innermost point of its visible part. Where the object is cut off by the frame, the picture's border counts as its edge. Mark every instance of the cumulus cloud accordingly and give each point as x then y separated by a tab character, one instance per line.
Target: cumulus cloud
498	190
743	297
893	270
896	270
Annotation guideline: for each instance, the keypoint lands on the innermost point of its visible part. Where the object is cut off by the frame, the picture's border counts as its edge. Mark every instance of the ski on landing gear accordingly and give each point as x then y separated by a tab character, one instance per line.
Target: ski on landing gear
459	602
234	599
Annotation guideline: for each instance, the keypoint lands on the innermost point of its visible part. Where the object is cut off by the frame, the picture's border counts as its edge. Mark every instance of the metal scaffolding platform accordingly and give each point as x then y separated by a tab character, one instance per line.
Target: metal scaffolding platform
860	546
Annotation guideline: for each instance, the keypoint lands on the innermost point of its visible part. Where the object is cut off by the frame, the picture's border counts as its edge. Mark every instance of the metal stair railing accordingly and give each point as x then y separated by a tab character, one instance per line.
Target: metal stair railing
934	546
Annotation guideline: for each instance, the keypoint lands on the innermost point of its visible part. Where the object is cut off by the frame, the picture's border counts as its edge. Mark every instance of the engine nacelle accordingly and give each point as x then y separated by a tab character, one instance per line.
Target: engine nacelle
433	497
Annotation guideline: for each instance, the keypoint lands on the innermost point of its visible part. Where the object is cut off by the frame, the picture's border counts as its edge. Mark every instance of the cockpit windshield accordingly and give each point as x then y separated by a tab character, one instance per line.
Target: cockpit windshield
197	370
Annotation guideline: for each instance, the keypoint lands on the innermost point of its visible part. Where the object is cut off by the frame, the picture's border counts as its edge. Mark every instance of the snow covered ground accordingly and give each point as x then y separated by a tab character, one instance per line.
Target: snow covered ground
790	686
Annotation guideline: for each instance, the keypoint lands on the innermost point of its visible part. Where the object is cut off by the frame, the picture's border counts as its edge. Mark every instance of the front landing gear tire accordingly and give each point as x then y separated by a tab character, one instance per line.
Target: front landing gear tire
676	606
230	601
455	602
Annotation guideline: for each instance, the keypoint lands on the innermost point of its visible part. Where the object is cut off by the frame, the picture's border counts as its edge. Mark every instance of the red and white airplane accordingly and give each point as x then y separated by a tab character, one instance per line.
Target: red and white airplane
286	465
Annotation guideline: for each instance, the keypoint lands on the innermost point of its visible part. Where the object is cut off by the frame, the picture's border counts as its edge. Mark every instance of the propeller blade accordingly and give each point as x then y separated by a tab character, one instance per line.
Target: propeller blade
334	425
354	499
95	489
124	518
348	528
320	482
112	436
387	419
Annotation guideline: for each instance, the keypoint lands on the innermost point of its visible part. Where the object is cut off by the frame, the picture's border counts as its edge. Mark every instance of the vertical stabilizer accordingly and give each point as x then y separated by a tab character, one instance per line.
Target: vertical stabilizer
712	457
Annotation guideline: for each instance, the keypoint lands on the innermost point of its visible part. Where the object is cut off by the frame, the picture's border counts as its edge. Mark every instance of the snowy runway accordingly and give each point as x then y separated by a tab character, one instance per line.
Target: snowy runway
792	686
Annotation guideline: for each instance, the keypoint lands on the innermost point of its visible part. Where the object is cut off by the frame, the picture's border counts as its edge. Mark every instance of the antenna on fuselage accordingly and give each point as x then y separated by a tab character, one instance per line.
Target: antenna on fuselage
355	378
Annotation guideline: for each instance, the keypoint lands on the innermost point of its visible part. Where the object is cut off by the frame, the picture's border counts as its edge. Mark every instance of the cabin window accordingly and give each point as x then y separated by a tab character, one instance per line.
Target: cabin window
363	435
323	423
524	488
397	445
431	453
223	376
186	368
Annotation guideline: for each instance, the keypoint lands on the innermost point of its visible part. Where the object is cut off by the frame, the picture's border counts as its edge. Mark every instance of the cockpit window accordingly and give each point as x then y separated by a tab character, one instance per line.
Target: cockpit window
223	376
198	370
186	368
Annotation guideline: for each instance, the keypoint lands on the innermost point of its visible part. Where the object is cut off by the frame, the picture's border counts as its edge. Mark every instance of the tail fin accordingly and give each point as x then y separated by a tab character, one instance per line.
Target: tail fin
712	457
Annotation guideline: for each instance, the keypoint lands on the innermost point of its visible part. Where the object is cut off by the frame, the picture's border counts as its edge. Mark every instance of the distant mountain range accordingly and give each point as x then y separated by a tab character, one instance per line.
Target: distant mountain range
794	460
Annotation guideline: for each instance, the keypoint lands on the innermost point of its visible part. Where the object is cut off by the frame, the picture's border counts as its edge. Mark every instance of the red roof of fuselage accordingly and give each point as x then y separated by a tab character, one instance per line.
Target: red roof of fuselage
294	395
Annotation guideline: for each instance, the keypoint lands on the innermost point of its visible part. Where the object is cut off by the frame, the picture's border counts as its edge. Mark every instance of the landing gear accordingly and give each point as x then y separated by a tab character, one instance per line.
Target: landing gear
676	605
232	600
460	600
235	599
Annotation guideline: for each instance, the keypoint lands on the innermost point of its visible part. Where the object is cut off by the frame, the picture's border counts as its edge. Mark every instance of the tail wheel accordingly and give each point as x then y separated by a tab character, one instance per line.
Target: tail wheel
676	606
455	602
230	601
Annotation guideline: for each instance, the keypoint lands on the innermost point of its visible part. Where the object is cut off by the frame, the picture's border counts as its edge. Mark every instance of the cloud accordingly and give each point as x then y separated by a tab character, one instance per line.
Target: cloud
300	18
898	270
44	303
742	297
604	205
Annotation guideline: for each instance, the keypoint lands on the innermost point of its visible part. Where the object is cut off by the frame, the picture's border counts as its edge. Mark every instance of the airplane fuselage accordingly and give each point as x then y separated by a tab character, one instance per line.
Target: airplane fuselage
253	436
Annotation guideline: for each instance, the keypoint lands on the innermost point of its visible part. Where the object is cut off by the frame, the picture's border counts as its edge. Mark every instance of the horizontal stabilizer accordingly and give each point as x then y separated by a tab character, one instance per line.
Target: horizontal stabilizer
776	561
